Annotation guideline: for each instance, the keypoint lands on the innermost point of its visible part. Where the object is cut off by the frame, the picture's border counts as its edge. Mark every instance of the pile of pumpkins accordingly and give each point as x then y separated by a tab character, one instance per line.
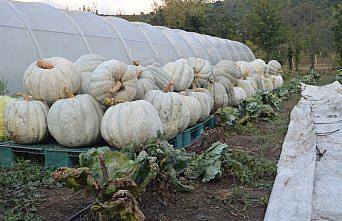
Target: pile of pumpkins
80	102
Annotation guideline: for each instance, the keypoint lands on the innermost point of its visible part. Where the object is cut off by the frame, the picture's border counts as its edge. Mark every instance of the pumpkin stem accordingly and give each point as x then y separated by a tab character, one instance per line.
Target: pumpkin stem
167	87
136	62
139	73
112	101
25	96
68	93
117	86
44	64
185	93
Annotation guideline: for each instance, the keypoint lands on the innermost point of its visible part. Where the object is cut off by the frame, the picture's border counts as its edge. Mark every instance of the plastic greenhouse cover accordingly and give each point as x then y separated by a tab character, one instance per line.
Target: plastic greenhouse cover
31	31
308	182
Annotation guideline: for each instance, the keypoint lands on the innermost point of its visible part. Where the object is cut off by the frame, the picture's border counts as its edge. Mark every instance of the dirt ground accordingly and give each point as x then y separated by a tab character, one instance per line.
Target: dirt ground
205	203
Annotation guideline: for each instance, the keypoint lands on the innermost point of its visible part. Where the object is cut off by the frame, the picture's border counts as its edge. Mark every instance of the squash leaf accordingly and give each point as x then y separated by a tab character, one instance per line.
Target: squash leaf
207	165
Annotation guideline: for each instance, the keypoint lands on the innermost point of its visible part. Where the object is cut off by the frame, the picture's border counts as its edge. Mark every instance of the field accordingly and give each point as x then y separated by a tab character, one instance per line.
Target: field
28	192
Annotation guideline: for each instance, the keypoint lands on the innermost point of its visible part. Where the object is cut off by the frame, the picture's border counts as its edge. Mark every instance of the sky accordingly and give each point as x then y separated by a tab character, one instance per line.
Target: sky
104	6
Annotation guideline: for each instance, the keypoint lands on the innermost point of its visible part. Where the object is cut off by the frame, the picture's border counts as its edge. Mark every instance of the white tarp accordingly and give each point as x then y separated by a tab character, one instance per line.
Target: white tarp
308	187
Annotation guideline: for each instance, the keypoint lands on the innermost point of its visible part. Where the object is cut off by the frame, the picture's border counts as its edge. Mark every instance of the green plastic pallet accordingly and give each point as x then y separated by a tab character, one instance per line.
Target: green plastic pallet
192	134
53	154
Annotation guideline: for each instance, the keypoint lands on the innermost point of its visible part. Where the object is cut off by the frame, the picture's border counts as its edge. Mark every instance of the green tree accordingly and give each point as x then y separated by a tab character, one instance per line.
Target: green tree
265	27
338	32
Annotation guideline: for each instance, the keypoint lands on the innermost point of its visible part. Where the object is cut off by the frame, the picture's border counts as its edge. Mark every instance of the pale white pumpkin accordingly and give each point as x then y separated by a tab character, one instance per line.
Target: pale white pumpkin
87	64
25	120
4	100
260	66
274	66
45	79
221	90
181	73
247	86
202	71
277	81
268	84
174	115
239	95
194	107
246	69
113	82
205	99
228	69
131	122
160	76
145	81
258	82
75	121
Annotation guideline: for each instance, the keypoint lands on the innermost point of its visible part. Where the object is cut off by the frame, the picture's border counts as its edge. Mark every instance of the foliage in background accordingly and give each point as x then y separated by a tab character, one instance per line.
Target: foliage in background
272	28
3	86
339	75
337	13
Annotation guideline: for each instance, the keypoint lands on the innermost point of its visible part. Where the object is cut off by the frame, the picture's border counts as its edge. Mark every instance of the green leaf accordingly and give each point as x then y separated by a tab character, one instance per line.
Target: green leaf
208	164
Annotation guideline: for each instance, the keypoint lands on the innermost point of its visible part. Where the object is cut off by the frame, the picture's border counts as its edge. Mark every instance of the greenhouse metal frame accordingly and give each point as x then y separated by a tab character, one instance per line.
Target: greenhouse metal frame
31	31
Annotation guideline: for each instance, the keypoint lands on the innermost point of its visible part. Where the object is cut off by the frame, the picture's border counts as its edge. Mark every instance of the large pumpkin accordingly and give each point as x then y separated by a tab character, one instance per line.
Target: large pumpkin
145	81
246	68
4	100
274	66
113	82
260	66
239	95
174	115
258	82
87	64
228	69
131	122
193	105
45	79
247	86
25	120
205	99
181	73
277	81
75	121
221	90
202	71
268	84
160	76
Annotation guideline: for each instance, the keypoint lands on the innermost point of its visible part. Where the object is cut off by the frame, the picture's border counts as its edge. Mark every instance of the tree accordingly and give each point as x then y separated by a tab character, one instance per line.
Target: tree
338	32
264	26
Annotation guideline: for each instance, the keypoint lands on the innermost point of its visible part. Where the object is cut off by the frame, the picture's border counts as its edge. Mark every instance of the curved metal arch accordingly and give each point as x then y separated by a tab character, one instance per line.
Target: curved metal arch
178	32
228	56
173	45
169	40
148	40
203	44
31	33
78	29
209	38
112	26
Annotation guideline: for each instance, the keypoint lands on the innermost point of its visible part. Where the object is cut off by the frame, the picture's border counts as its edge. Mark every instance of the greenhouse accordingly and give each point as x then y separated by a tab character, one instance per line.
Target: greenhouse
31	31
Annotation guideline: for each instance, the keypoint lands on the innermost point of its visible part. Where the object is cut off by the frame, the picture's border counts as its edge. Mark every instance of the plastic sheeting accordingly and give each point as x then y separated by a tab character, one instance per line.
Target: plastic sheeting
307	186
29	31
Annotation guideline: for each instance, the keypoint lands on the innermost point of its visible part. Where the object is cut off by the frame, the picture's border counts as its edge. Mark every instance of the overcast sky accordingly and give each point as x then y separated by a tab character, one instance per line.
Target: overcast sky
104	6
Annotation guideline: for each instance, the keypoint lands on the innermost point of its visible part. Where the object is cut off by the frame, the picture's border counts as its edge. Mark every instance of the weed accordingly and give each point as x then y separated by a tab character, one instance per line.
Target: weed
19	190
